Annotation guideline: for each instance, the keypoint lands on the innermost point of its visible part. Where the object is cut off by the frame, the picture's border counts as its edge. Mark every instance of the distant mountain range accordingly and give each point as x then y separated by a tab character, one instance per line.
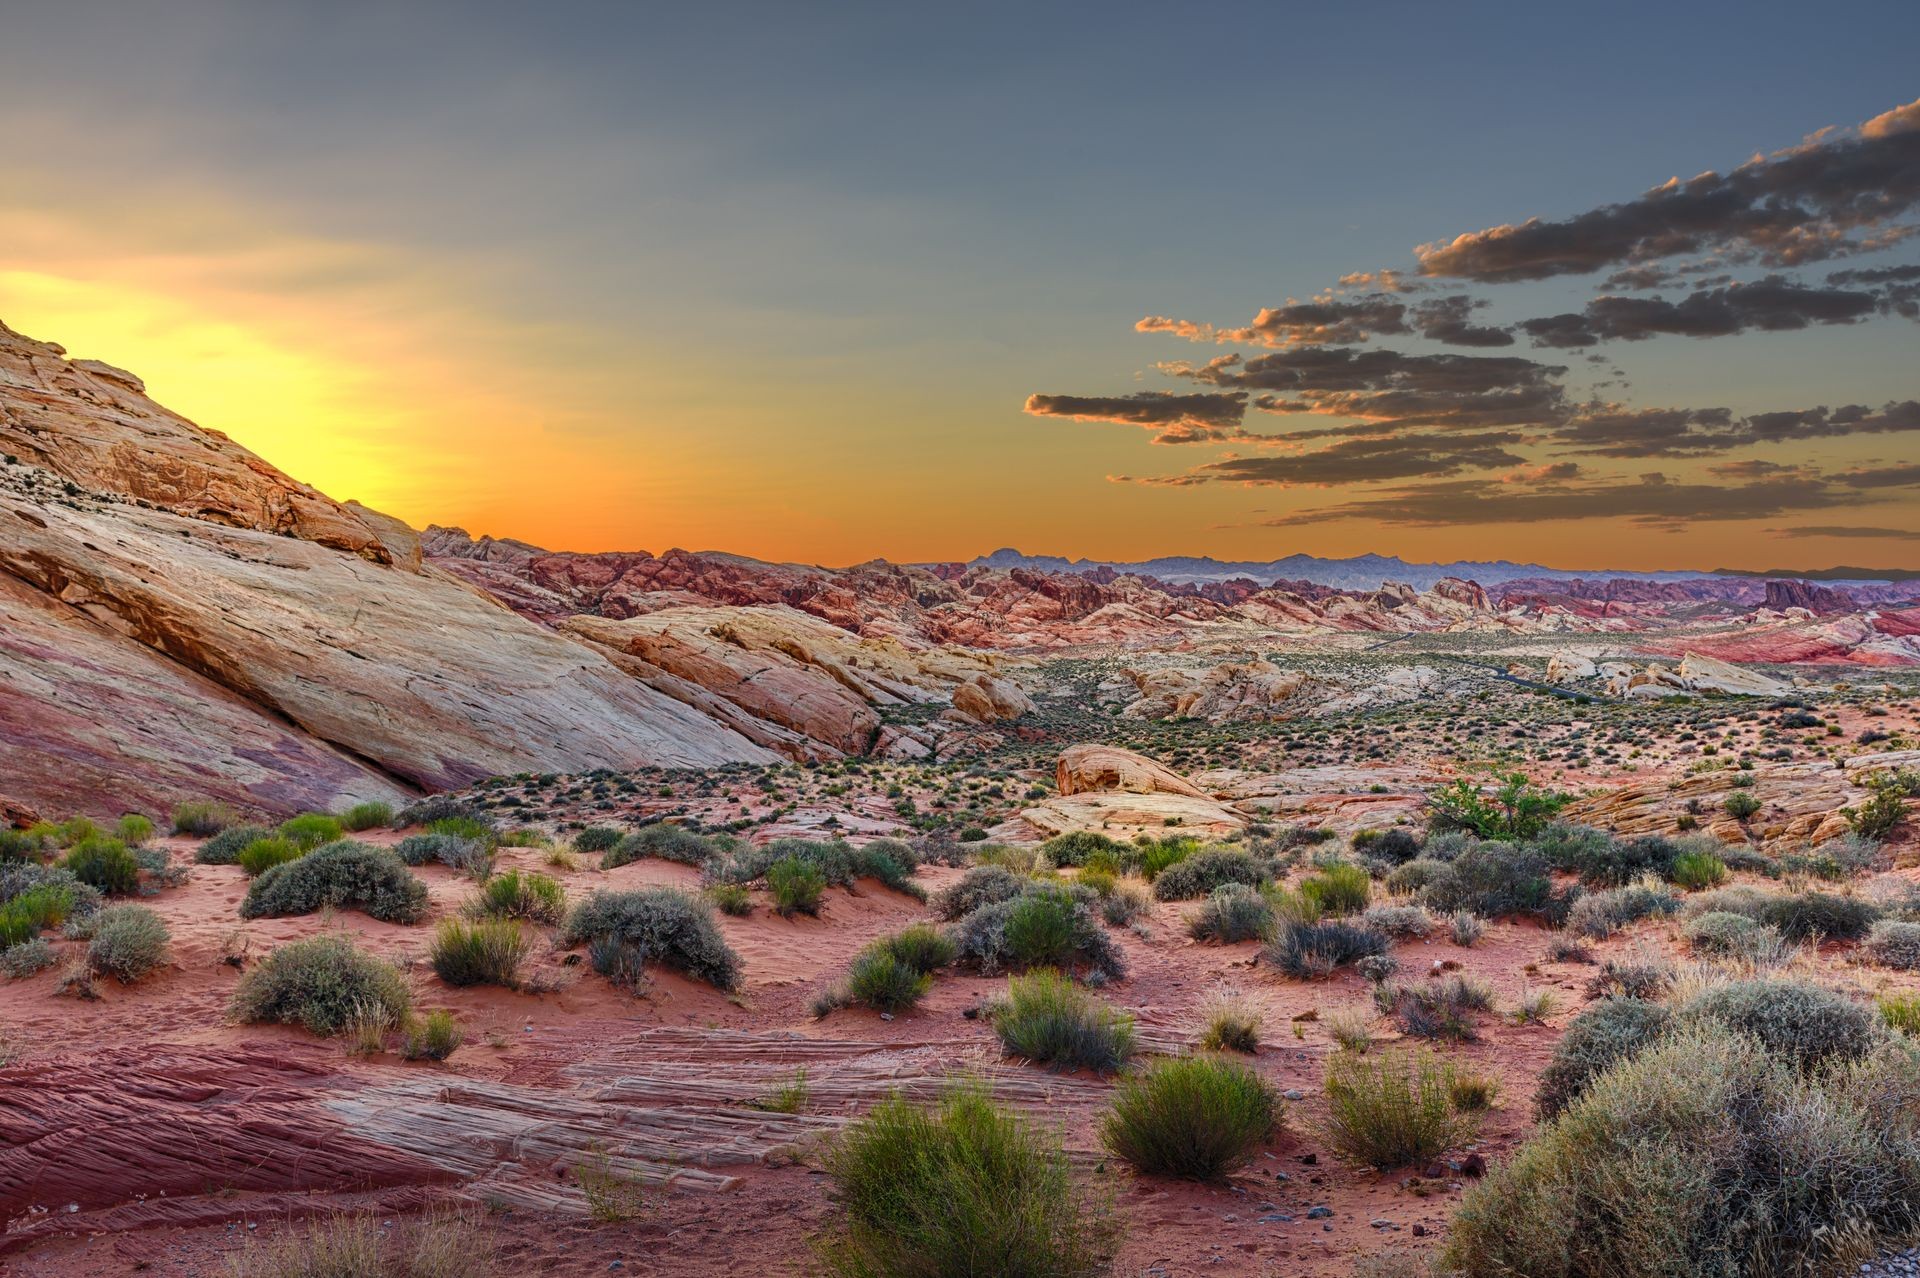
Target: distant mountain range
1366	572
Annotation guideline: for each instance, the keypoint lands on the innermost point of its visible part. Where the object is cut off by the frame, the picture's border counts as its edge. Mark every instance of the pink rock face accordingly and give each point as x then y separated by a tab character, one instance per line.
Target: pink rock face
1094	769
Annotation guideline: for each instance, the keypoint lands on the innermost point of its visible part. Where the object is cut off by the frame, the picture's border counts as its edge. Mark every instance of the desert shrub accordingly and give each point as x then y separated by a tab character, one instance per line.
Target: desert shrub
475	828
1474	1093
668	926
1809	914
1601	914
1047	1019
1195	1117
1722	933
796	886
922	947
1338	889
133	829
959	1190
1897	1011
1739	898
1230	1024
731	898
1124	904
1741	804
1695	870
1607	1033
344	875
596	838
1312	950
437	1245
103	863
1410	878
1044	926
1196	875
1466	927
444	849
484	952
437	808
1492	879
225	847
1573	848
27	914
1885	808
1516	809
432	1037
1157	856
1392	1108
520	894
622	962
21	845
22	959
1798	1023
1892	943
981	885
320	983
1232	913
880	980
1099	882
840	864
1405	921
371	815
663	839
1703	1157
262	855
310	829
128	942
45	894
1074	847
1439	1008
202	818
1387	847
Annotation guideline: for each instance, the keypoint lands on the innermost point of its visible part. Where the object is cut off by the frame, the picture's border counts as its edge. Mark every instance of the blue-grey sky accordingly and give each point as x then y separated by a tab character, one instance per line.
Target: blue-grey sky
781	278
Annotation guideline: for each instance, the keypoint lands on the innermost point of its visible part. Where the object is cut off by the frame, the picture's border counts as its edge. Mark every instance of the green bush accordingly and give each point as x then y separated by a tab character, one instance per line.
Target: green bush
922	947
880	980
433	1037
1197	875
668	926
321	983
103	863
262	855
26	915
1391	1109
1608	1032
485	952
1600	914
371	815
1741	804
1074	847
310	829
520	894
1196	1117
225	847
1309	951
1159	856
21	845
128	942
345	875
1818	914
595	839
796	886
961	1190
1696	870
133	829
202	818
1233	913
22	959
1046	925
1049	1020
1517	809
888	860
731	898
662	839
466	855
1338	889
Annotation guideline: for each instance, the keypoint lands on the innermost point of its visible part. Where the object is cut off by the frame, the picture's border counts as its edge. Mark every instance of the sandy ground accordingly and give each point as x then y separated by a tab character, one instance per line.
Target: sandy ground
1258	1223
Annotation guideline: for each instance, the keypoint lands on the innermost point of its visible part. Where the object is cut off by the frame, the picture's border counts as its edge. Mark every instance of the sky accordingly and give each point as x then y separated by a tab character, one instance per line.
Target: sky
826	283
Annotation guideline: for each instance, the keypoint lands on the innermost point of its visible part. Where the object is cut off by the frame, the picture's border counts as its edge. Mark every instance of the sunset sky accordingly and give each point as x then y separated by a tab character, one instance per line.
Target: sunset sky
826	283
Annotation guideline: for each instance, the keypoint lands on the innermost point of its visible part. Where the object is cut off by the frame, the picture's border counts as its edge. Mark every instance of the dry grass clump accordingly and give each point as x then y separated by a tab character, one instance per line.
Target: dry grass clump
1392	1108
365	1246
1195	1117
483	952
128	942
1047	1019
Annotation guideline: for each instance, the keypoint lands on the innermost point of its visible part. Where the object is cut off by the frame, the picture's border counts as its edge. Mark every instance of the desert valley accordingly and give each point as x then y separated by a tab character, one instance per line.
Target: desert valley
439	904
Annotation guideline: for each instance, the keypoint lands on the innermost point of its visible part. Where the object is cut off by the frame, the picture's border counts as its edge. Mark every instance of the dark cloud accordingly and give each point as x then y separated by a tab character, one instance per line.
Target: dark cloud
1356	461
1180	419
1834	194
1329	321
1652	499
1846	530
1907	476
1772	304
1672	432
1392	386
1448	319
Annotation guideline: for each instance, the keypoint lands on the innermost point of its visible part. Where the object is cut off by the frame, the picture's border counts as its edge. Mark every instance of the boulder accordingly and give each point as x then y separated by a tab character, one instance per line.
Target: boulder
1095	769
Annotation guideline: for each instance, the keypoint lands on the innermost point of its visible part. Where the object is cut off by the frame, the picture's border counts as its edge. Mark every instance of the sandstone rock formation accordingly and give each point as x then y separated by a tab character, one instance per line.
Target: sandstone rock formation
1123	794
177	619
